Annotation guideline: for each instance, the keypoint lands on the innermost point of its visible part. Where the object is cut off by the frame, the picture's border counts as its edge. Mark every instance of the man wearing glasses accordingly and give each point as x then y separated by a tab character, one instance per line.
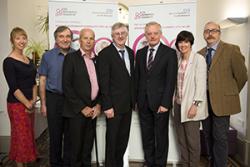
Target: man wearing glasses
227	75
116	75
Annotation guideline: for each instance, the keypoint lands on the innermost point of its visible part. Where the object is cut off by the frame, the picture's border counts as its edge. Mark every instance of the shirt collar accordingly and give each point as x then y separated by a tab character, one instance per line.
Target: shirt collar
58	51
214	47
92	56
119	48
155	47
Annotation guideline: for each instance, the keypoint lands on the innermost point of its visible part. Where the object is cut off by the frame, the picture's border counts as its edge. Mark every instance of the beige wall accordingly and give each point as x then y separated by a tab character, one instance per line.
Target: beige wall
25	13
4	50
16	13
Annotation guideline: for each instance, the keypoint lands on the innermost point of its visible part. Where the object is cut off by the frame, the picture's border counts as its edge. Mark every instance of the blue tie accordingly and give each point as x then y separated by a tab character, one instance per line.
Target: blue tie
209	57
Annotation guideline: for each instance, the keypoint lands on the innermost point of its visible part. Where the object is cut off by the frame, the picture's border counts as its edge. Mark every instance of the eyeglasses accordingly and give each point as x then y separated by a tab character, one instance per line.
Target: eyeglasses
212	31
120	33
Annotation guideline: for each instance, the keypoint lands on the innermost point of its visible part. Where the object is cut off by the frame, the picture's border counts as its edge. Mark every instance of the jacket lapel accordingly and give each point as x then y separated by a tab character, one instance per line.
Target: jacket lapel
83	64
216	55
144	58
189	65
203	52
119	59
157	57
131	62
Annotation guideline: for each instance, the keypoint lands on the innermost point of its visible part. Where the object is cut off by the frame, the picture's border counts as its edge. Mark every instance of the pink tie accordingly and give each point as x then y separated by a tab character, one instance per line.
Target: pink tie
92	76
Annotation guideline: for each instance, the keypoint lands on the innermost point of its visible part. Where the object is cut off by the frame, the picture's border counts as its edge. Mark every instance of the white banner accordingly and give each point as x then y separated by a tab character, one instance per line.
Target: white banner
77	15
100	16
173	17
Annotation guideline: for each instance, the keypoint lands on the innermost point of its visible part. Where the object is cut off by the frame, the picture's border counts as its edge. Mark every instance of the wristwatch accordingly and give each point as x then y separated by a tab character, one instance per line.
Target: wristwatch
196	103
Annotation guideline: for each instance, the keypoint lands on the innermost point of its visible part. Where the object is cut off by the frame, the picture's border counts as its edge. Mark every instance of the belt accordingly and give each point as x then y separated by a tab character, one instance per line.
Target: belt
56	93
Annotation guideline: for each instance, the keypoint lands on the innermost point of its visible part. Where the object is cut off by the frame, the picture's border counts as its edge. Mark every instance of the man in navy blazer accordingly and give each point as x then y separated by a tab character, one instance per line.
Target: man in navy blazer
116	70
80	86
156	73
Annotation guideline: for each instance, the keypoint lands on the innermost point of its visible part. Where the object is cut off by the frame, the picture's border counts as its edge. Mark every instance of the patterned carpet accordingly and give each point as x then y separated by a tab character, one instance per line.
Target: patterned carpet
43	161
42	147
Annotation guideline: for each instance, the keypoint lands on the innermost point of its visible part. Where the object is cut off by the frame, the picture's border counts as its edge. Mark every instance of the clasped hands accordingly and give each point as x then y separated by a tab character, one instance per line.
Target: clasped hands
91	112
30	106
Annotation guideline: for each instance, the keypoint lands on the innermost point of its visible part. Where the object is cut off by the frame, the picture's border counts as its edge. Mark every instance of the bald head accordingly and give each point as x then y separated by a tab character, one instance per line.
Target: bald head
87	40
213	24
86	30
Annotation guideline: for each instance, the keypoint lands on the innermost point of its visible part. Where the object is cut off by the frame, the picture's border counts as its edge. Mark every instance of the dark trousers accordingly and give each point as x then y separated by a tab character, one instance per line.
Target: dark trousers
154	130
58	127
216	134
82	131
117	135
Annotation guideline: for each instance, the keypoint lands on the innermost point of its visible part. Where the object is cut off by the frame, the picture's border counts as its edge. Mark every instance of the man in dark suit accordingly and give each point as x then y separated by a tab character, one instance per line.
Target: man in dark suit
156	75
227	75
116	71
81	103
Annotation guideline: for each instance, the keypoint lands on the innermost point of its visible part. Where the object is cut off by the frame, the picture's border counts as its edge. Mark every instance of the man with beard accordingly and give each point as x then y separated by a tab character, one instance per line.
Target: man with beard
227	75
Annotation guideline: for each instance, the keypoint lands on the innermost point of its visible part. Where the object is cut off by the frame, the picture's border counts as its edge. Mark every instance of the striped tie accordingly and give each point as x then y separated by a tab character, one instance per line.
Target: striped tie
150	58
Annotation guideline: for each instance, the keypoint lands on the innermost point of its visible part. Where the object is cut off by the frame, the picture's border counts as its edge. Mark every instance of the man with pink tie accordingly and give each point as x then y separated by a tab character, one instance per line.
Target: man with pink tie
81	89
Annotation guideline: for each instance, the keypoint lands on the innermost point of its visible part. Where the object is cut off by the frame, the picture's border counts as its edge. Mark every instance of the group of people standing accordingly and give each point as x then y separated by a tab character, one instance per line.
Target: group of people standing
76	86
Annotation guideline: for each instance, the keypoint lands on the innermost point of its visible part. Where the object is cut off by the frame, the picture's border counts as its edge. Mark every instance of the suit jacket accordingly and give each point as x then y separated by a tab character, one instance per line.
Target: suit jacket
158	83
116	85
194	87
76	85
226	77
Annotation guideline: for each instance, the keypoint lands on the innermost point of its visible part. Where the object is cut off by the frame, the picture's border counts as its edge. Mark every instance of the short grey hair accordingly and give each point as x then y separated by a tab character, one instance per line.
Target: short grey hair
118	25
151	24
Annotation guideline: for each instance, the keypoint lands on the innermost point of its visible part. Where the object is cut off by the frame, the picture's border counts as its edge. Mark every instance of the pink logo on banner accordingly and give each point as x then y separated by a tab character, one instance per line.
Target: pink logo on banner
59	12
101	43
65	12
141	42
143	15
